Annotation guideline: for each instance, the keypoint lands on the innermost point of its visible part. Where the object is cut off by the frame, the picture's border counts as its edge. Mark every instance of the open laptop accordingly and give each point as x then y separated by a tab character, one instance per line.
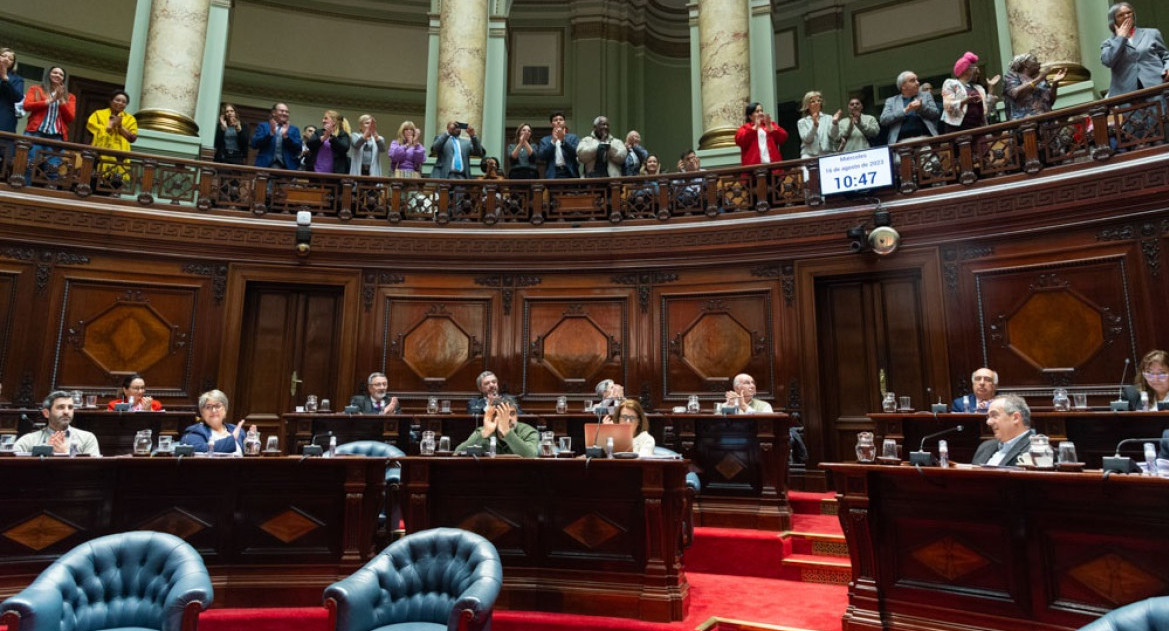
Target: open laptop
597	434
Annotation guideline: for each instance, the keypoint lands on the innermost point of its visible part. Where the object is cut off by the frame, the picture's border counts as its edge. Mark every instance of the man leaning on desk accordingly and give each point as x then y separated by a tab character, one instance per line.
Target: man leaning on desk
58	432
501	420
1010	419
374	401
985	383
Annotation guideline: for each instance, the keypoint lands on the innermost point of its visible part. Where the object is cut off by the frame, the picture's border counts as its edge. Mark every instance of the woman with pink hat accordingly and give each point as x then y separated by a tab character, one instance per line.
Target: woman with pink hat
964	101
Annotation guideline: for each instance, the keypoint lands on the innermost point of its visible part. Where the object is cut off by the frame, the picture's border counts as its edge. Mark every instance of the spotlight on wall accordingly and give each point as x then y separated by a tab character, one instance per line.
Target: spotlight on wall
884	239
856	238
304	232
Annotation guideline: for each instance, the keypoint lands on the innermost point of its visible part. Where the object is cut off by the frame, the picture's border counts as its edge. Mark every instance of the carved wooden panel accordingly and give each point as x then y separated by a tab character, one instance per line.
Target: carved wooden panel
571	344
8	309
438	344
110	329
1056	324
707	340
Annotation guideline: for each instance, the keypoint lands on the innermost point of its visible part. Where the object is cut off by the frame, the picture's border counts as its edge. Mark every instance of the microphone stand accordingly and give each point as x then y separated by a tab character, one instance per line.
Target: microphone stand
923	458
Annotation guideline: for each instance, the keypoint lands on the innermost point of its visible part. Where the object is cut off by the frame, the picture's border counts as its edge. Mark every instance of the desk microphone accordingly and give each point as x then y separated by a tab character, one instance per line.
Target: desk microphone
314	449
923	457
1121	404
1124	464
592	449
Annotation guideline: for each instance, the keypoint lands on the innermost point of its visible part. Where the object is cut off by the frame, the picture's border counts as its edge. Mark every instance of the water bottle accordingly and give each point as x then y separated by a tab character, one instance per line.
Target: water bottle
491	447
332	447
1151	458
943	454
609	447
1144	401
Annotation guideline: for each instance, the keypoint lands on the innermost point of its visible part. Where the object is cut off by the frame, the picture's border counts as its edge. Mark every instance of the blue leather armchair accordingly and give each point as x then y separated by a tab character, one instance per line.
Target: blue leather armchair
444	578
1151	614
133	580
392	512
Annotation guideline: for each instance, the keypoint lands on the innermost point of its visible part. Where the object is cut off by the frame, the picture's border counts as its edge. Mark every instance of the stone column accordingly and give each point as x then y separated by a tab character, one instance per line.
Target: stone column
725	69
1050	29
462	63
173	66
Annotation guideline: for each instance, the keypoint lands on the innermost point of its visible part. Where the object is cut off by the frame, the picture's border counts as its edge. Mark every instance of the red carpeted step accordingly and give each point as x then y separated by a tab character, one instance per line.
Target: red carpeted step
816	568
300	618
736	552
820	524
807	503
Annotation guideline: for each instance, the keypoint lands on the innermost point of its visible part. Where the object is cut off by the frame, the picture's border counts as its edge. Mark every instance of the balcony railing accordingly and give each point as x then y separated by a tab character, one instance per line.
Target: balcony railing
1093	131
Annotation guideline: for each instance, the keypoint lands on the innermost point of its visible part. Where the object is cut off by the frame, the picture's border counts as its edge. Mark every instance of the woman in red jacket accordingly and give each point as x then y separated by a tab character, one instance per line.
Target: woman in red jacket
50	110
760	137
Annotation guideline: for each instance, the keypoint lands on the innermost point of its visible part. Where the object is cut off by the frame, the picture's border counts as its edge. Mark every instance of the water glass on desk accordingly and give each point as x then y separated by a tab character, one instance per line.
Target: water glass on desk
547	448
444	444
446	406
906	404
91	401
1067	452
566	444
889	449
1081	399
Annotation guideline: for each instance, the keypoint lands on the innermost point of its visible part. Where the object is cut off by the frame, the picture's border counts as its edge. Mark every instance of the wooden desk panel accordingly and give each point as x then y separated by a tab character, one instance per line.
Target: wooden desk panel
1094	433
270	530
955	549
600	538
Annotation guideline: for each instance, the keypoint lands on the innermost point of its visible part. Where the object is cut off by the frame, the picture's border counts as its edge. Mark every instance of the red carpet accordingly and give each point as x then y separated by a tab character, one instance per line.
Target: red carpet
770	601
736	552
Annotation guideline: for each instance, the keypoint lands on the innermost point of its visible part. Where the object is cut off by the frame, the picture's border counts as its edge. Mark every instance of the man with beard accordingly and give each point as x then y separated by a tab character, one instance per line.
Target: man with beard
600	154
57	408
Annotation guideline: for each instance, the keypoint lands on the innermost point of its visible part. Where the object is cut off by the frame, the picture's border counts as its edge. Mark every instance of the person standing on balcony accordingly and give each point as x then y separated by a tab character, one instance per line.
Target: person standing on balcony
1137	56
1026	89
277	142
113	128
909	114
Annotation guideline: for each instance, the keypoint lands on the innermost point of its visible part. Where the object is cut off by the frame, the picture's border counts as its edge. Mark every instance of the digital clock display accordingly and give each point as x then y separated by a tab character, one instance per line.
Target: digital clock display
856	171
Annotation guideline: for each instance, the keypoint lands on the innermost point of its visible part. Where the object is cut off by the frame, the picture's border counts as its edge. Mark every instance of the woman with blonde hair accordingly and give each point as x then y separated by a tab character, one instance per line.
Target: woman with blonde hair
406	153
813	135
329	146
367	147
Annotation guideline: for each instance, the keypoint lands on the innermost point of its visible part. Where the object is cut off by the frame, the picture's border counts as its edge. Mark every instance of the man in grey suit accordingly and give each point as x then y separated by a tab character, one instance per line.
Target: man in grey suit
1137	56
909	114
1010	419
453	152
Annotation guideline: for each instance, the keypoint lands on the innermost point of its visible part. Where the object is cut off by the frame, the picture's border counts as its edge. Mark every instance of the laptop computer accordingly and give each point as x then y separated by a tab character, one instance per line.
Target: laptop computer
597	434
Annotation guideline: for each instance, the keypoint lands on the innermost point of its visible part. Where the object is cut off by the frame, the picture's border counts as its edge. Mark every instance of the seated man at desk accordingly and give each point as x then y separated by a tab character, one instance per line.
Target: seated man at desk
609	393
501	420
985	383
741	399
375	402
488	384
57	408
1010	419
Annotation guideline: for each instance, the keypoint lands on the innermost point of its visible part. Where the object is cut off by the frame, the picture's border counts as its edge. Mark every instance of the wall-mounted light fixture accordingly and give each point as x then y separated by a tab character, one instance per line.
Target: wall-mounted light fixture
304	232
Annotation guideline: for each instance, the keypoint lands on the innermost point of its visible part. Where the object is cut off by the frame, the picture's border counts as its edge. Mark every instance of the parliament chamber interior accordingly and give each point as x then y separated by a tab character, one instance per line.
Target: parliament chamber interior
301	381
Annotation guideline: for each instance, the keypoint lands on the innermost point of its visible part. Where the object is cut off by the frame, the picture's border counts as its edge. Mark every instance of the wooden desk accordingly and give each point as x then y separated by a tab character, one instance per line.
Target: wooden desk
271	530
297	429
599	538
959	549
114	430
1094	433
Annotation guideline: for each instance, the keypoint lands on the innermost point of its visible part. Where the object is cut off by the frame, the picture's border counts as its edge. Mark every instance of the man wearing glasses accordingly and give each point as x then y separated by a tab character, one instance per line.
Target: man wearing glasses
1010	419
376	402
985	383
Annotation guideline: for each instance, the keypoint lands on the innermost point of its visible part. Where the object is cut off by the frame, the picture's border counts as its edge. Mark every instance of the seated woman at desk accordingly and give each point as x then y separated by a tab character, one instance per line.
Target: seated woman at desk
134	395
629	411
1152	378
213	434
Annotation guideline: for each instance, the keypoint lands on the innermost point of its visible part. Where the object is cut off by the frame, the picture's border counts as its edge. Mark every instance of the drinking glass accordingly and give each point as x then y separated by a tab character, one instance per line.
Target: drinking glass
273	444
432	405
426	447
131	401
566	444
91	401
444	443
446	406
906	405
588	405
1067	451
326	405
166	444
889	448
8	442
142	443
1081	399
561	405
310	403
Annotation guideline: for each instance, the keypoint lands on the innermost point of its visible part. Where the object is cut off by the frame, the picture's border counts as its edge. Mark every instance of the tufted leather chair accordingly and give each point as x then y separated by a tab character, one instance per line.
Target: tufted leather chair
444	578
392	513
129	581
1151	614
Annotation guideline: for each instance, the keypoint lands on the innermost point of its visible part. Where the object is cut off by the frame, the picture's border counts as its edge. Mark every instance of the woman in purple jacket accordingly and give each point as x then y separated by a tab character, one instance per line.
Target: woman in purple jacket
406	153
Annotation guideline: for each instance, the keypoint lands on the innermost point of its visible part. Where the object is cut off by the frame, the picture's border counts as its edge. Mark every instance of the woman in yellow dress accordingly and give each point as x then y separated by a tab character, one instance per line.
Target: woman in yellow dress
113	128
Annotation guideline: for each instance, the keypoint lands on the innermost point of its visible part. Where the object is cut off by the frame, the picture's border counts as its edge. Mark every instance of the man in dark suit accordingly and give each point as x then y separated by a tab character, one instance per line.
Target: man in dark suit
1010	419
558	151
375	401
985	383
488	384
453	152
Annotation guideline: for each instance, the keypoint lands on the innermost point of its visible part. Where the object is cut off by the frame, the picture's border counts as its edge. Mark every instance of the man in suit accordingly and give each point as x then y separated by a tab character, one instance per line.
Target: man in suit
909	114
488	384
558	151
985	383
277	142
453	152
1010	419
375	402
1137	56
